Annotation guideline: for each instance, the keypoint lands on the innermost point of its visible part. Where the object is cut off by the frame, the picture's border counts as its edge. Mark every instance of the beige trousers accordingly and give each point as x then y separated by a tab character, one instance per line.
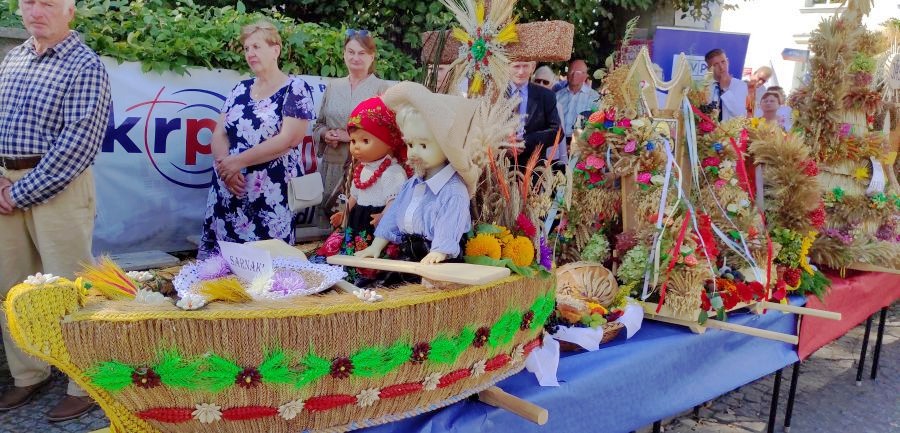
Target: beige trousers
54	238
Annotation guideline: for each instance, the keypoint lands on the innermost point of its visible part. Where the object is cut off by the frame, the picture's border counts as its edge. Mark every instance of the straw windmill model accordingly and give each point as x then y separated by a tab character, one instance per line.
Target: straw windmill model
836	115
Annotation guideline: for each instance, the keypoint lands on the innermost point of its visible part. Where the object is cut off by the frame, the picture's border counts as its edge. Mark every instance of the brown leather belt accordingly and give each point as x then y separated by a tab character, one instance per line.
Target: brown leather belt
23	163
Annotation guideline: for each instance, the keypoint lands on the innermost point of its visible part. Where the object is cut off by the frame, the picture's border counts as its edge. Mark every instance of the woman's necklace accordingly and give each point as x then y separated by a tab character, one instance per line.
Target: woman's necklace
357	172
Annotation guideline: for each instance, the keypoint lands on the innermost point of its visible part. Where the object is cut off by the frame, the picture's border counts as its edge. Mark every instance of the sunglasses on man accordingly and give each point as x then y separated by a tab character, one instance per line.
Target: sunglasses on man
541	81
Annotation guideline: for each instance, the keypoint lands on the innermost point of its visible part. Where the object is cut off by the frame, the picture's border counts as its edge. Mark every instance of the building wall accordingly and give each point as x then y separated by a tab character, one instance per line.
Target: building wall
778	24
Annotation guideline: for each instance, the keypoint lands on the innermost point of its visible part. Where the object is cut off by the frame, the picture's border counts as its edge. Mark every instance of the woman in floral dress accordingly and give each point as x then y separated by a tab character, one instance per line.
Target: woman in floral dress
254	145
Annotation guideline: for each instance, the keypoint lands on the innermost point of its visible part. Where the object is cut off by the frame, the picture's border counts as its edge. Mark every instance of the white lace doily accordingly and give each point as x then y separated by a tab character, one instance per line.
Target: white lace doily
317	278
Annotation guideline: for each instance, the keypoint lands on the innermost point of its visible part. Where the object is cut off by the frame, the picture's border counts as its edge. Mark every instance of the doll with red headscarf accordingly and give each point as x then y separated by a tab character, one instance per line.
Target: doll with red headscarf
379	157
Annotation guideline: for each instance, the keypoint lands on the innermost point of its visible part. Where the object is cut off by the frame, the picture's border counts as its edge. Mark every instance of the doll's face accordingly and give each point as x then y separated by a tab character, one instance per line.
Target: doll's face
423	153
366	147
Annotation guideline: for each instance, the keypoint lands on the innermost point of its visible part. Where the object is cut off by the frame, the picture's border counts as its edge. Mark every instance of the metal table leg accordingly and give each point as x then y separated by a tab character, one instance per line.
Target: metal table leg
877	353
776	388
657	427
792	393
862	353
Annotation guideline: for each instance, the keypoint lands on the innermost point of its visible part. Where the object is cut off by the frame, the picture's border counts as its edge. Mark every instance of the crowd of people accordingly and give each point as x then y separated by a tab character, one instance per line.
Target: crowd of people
54	106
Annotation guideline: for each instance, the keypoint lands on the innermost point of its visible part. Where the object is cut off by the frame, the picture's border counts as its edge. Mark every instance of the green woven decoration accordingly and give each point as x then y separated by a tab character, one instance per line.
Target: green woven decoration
369	362
396	355
542	308
503	331
219	373
111	376
316	367
275	368
174	371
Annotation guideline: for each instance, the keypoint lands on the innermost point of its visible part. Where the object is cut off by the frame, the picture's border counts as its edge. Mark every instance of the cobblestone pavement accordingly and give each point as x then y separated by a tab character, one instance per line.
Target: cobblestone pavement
828	400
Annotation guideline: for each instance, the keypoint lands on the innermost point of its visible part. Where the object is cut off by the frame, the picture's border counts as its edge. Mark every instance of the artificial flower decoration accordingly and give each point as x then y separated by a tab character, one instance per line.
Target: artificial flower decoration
367	397
213	267
630	146
341	368
597	117
518	353
40	279
420	352
481	336
861	174
140	276
248	378
290	410
145	378
526	226
368	295
520	250
478	368
597	139
431	381
484	244
191	302
484	40
207	413
148	297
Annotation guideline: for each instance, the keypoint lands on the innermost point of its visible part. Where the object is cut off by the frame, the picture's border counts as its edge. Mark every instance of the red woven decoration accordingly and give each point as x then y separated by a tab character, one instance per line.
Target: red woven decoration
497	362
249	412
531	345
453	377
400	390
167	414
328	402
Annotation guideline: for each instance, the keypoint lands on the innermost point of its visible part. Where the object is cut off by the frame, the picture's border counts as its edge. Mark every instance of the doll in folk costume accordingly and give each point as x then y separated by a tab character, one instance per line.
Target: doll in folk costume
379	155
431	213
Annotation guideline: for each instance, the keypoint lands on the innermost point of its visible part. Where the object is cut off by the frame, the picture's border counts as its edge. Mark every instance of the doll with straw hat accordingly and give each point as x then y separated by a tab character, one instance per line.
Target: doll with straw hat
431	214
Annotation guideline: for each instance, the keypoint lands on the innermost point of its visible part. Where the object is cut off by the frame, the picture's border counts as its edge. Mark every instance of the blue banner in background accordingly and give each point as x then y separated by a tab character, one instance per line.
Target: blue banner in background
669	42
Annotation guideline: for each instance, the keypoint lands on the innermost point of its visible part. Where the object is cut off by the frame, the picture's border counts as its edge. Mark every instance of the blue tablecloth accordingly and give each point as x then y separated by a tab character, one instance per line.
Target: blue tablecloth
662	371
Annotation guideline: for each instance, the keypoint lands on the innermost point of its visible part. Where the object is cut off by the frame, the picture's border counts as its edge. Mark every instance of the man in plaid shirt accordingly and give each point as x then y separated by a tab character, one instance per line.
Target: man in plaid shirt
54	106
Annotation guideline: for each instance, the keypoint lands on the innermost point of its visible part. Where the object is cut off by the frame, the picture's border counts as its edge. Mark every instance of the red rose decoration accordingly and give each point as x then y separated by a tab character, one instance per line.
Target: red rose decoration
332	245
817	217
712	161
811	169
705	305
392	251
706	126
597	139
791	277
624	123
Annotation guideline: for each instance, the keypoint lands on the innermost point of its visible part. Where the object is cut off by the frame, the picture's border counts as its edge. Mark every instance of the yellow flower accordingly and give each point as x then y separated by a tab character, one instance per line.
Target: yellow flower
520	250
505	235
804	251
861	173
754	122
483	245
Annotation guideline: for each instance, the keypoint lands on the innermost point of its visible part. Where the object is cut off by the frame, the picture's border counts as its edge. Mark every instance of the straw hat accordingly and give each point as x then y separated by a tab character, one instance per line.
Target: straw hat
449	119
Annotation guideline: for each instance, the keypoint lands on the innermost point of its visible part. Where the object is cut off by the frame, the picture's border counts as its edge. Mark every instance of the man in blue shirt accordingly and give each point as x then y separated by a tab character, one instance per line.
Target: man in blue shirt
577	97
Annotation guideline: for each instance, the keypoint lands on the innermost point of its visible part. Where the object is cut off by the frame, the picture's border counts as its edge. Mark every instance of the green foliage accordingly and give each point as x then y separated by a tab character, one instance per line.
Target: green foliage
370	362
401	22
816	283
397	354
172	35
791	245
275	368
597	249
112	376
446	349
633	265
174	371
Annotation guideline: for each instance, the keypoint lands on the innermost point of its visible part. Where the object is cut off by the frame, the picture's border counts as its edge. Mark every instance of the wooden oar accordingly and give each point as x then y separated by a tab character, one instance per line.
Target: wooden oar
460	273
497	397
727	326
799	310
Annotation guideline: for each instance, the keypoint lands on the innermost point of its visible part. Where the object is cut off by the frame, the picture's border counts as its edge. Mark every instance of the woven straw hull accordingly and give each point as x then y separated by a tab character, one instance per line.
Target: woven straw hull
334	327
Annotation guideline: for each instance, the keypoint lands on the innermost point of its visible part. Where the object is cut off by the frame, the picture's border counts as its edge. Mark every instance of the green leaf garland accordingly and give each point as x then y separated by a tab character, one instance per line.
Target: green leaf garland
275	368
111	376
503	331
174	371
315	368
219	373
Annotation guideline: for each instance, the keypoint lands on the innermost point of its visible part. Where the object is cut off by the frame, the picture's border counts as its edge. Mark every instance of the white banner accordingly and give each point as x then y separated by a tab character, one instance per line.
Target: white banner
154	169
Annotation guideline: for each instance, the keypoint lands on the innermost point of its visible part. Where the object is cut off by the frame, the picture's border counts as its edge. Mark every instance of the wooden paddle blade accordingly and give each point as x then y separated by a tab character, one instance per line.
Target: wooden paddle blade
460	273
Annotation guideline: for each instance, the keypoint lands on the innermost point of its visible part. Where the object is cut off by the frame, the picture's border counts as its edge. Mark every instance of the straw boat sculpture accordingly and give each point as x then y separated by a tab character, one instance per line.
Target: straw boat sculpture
328	362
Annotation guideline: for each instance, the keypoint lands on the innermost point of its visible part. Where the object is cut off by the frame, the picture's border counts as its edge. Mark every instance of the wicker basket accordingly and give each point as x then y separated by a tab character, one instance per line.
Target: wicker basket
319	363
610	332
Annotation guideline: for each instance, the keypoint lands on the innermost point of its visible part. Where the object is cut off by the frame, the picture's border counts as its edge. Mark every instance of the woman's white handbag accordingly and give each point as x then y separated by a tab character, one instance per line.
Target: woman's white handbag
305	191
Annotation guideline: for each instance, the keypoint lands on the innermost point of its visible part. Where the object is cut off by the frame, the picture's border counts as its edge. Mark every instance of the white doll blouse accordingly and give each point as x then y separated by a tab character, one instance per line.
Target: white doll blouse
384	189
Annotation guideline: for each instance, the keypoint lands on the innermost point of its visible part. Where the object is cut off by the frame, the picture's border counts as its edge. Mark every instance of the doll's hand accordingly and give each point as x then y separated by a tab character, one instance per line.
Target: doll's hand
368	252
376	218
433	257
337	219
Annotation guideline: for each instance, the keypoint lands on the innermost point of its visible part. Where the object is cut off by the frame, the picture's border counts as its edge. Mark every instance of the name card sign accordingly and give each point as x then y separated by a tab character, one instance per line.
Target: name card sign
246	262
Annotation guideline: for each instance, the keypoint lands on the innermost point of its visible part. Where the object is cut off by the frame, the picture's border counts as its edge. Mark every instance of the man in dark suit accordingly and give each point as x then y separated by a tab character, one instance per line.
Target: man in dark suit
539	118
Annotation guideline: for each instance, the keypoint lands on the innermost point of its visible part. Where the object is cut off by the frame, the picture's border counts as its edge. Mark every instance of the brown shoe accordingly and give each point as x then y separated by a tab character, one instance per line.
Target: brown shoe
19	396
70	407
